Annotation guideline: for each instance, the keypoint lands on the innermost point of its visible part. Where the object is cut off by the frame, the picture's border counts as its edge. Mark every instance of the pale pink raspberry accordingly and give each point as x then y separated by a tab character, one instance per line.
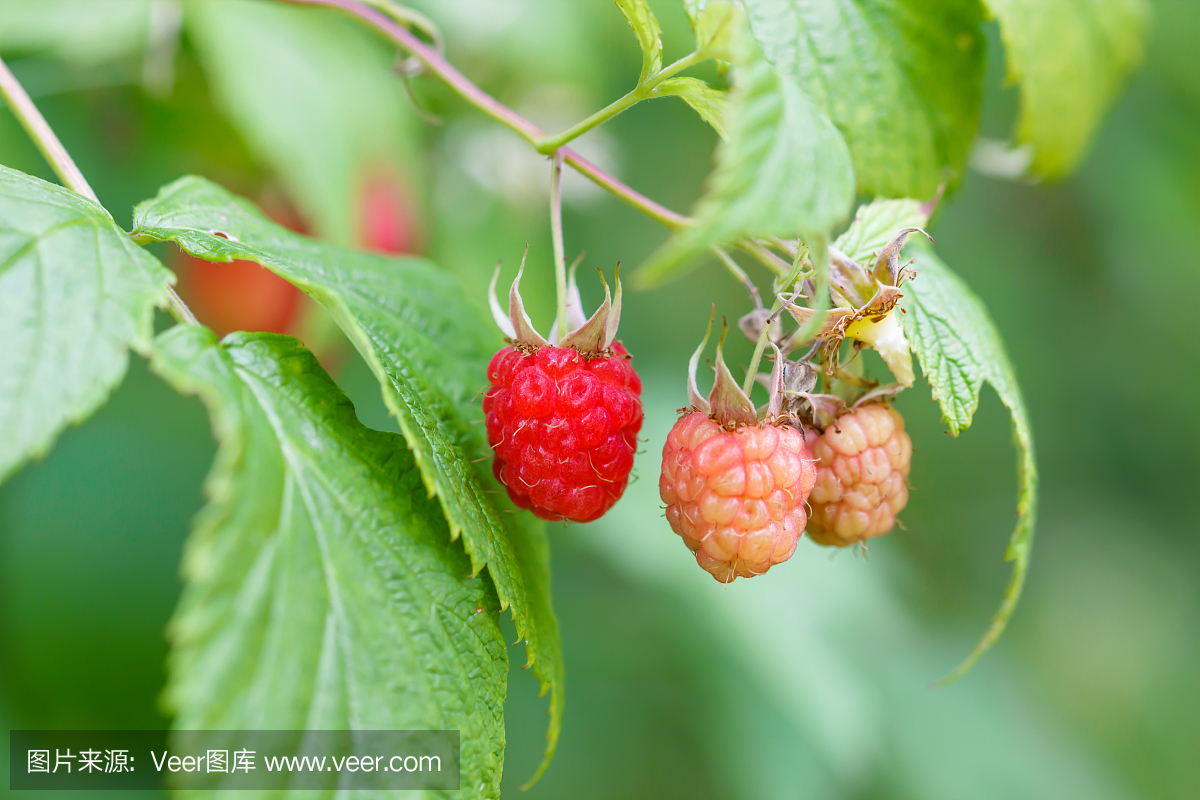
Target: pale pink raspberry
736	497
863	460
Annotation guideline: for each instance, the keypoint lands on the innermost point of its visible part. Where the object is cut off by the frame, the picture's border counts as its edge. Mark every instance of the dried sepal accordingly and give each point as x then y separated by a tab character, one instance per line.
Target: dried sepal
789	380
502	321
791	387
524	332
614	313
589	336
824	408
850	283
832	326
879	393
753	323
887	267
694	398
867	321
775	385
592	335
730	407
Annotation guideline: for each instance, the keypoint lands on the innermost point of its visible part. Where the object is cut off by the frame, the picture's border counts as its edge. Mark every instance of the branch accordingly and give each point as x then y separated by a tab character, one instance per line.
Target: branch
47	142
35	125
435	63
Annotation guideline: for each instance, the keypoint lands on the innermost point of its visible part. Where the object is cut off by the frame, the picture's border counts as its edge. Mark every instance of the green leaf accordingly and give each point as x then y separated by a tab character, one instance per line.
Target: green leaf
429	349
322	589
75	294
783	171
1070	59
901	79
313	95
877	223
707	101
716	24
645	28
959	349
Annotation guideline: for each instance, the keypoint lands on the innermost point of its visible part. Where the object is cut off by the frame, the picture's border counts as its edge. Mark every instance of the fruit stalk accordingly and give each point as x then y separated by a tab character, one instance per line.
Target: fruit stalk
39	131
760	346
556	237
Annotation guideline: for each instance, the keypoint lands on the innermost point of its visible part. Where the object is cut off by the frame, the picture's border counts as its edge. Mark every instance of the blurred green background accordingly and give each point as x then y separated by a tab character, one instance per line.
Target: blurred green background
810	682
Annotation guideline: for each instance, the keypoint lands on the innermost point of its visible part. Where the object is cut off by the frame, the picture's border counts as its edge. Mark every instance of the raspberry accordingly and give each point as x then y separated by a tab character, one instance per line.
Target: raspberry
864	459
563	425
736	498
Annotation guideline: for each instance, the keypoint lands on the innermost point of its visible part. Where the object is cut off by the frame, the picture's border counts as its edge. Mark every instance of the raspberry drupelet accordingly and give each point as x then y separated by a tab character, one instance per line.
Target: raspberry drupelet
564	426
563	413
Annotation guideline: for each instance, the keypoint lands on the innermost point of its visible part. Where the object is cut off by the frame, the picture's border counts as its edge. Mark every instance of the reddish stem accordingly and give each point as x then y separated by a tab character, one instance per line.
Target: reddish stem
438	65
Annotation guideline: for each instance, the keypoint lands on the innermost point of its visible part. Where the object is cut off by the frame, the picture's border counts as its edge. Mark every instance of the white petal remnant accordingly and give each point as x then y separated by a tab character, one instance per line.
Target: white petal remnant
886	335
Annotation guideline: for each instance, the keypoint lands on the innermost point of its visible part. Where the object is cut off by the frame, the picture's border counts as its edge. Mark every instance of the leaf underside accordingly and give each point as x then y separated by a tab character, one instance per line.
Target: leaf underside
959	349
429	349
323	592
75	294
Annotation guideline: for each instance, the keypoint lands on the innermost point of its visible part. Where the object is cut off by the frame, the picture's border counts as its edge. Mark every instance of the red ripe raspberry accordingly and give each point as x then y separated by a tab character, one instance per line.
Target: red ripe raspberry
564	428
864	459
737	498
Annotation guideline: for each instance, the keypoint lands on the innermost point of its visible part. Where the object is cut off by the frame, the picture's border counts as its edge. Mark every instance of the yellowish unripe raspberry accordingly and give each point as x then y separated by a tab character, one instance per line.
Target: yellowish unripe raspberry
863	462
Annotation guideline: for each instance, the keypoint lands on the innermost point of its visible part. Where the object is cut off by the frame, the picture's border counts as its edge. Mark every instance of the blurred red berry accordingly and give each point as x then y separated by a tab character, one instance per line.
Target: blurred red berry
240	295
388	218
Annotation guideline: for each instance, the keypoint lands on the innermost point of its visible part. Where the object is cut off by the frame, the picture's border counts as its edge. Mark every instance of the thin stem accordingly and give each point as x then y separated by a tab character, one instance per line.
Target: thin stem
672	220
438	65
771	261
759	347
179	309
739	273
556	236
819	253
35	125
548	144
644	91
56	155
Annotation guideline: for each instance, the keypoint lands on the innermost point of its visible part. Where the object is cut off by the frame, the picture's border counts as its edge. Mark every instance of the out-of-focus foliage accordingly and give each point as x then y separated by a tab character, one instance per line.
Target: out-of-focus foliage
812	681
83	32
1070	60
314	97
